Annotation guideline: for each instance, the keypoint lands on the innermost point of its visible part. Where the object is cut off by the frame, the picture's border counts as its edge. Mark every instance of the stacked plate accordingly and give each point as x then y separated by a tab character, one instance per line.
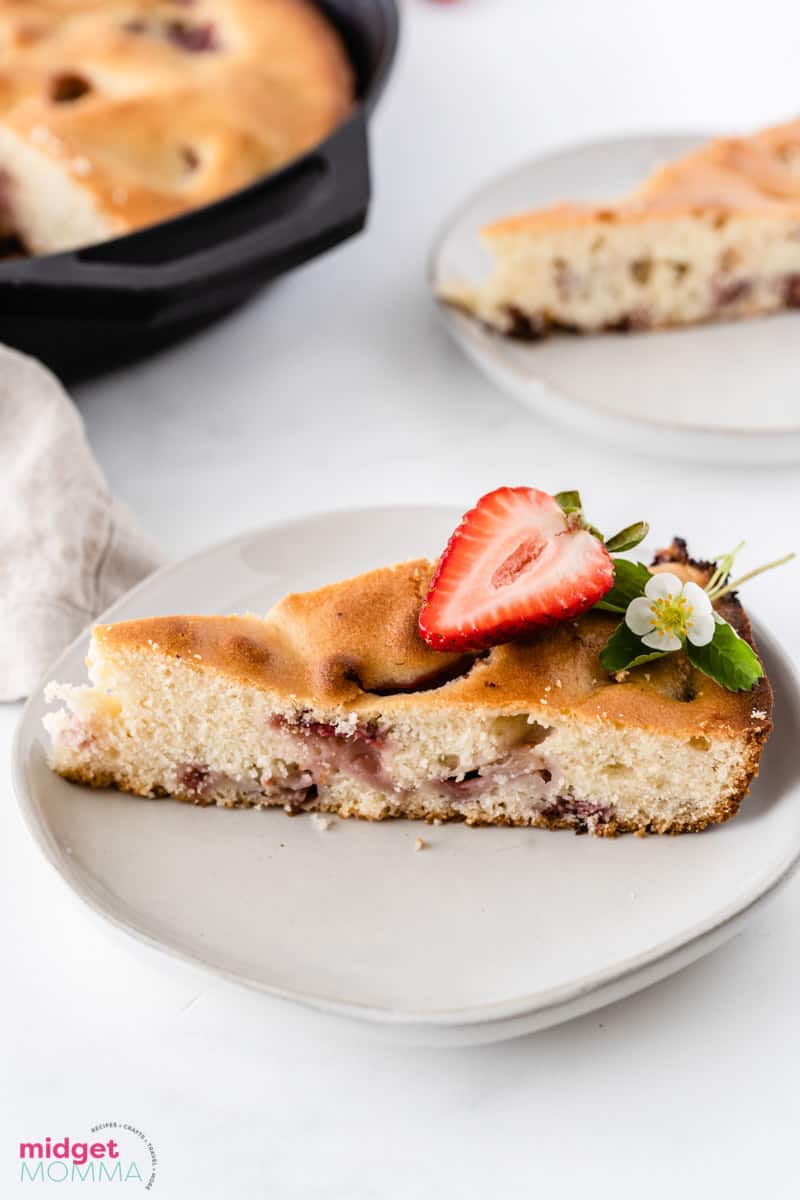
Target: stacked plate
483	935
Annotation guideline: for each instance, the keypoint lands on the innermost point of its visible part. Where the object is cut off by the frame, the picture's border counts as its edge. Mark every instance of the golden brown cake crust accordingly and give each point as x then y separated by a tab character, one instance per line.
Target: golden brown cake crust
752	176
183	103
351	652
354	646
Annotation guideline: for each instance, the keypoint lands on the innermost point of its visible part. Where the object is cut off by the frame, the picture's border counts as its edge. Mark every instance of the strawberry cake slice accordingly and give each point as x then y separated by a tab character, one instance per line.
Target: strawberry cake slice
712	235
338	701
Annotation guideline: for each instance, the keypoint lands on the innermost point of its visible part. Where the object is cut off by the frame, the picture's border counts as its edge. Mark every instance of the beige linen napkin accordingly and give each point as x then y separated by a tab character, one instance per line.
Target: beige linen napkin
67	547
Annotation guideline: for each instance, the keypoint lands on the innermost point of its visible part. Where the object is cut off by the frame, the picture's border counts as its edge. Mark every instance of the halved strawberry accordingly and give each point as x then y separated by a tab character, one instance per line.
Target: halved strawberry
516	562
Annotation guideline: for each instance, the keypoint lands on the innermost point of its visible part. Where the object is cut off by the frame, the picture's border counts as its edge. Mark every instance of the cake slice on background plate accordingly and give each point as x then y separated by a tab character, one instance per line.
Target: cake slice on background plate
711	235
540	705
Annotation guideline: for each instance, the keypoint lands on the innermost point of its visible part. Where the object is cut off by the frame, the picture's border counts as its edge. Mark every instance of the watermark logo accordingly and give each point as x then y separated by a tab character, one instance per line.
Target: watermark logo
114	1152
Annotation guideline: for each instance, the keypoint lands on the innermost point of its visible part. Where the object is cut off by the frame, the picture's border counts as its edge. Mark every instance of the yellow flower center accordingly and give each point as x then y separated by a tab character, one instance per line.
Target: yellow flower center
672	615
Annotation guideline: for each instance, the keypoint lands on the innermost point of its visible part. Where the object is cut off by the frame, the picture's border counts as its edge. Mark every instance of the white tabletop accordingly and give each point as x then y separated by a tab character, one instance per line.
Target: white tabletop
338	387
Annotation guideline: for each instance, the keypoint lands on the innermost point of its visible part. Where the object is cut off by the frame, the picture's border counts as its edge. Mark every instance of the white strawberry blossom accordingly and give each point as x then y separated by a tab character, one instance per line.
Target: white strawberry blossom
670	613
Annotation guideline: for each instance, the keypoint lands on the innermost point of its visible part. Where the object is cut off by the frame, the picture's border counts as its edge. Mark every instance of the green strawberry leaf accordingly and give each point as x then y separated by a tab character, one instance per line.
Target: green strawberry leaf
624	650
627	538
727	658
568	502
630	580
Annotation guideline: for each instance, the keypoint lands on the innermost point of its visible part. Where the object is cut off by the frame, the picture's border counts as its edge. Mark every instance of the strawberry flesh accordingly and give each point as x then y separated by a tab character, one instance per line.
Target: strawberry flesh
516	563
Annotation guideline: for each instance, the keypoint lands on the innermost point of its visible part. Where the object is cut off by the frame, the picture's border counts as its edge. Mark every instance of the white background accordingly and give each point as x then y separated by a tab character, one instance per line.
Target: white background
338	387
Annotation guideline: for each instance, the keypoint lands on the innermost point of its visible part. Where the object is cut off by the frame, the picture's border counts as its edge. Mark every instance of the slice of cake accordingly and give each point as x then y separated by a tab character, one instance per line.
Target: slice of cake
333	702
714	234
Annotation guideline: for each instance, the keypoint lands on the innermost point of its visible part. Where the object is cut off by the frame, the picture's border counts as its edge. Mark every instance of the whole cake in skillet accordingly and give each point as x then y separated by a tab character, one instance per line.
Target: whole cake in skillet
504	686
713	234
119	113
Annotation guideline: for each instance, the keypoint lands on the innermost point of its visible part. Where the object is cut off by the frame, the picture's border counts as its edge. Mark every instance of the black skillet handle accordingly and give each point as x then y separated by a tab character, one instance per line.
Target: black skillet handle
265	229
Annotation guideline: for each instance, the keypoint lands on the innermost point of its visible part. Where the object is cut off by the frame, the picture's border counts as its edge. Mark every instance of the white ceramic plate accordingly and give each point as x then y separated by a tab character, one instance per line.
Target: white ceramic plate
726	392
484	934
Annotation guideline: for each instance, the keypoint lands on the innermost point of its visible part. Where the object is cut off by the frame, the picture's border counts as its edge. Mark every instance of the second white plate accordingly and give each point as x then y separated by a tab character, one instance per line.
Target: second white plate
729	391
484	934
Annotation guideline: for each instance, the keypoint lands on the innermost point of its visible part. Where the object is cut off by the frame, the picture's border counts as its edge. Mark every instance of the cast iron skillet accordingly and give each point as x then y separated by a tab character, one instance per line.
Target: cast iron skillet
87	310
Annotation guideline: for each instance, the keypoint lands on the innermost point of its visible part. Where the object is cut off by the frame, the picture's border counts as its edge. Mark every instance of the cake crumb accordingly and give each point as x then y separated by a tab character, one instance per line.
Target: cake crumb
758	714
40	135
437	820
558	683
321	821
420	844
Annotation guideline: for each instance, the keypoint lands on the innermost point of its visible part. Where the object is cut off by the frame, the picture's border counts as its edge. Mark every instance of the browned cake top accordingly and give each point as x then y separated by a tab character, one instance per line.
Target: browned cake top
758	175
156	106
355	645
